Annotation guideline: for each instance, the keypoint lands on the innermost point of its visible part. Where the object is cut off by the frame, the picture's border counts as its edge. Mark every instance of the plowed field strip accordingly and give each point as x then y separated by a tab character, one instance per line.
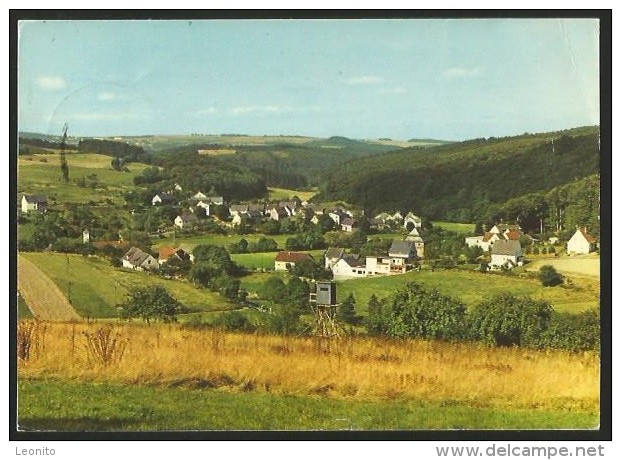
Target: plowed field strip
43	297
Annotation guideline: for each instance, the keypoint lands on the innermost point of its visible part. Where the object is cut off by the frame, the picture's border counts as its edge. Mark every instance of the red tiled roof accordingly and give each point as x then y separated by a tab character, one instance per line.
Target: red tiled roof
288	256
166	252
513	234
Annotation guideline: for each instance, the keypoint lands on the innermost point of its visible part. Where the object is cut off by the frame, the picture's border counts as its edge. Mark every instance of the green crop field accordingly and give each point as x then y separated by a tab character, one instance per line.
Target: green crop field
40	174
52	405
286	194
189	242
94	287
265	260
454	227
471	287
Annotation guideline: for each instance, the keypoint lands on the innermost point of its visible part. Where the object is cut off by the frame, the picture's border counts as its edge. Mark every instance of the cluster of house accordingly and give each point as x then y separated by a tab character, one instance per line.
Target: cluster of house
137	259
401	256
503	243
385	220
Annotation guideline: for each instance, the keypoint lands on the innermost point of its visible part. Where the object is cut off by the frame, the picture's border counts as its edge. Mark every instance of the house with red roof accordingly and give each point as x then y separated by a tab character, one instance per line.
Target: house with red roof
286	259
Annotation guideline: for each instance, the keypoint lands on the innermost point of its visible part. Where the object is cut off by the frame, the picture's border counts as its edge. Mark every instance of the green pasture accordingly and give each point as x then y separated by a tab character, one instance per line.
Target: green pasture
94	287
454	227
38	177
50	405
471	287
286	194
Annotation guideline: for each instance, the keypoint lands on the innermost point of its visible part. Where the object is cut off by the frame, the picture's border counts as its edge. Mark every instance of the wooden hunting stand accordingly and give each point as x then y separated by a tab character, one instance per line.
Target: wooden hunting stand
323	305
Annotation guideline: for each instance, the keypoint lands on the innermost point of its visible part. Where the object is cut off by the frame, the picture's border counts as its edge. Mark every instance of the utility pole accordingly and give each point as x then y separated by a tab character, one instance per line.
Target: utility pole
63	160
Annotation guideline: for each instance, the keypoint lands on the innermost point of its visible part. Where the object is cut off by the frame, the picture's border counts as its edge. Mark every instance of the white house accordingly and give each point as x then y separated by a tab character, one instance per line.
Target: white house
186	220
419	244
286	259
402	253
199	196
34	203
332	256
582	242
411	218
167	253
139	260
349	266
162	198
278	213
348	224
378	265
507	253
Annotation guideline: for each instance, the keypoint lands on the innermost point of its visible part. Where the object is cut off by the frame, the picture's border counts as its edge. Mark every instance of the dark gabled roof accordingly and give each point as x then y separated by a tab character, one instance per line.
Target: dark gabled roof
506	248
288	256
348	221
334	253
401	247
165	197
36	199
136	256
188	217
354	260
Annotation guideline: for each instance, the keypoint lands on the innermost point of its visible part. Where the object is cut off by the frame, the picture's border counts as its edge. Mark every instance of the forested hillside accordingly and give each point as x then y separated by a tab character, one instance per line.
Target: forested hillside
466	181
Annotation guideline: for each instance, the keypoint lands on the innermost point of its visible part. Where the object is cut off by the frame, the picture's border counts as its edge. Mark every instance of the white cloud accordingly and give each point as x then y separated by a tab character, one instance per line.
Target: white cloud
461	72
395	90
243	110
99	116
207	111
107	96
51	83
365	80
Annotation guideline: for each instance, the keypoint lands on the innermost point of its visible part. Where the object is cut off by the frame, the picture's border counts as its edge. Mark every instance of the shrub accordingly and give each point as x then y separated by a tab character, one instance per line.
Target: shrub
510	320
549	276
234	321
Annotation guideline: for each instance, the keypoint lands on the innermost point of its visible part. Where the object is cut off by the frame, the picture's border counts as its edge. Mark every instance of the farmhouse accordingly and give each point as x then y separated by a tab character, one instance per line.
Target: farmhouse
199	196
186	220
349	266
137	259
36	203
286	259
168	253
419	244
278	213
506	253
215	199
162	198
348	224
582	242
332	256
402	254
378	265
206	206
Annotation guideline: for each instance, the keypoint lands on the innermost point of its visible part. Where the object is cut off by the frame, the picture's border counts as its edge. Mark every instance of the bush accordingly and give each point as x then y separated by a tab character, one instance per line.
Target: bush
151	302
510	320
549	276
234	321
576	333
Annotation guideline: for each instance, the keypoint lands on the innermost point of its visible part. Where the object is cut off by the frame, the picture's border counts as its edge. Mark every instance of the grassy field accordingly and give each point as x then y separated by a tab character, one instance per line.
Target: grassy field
189	242
265	260
472	287
23	312
510	385
52	405
40	174
454	227
286	194
94	287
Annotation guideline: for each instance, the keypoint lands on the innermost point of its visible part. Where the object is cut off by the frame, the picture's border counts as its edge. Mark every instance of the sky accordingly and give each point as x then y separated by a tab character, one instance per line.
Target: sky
364	79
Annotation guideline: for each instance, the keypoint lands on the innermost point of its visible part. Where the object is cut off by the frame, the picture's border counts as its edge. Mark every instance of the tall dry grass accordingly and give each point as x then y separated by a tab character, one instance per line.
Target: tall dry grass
348	367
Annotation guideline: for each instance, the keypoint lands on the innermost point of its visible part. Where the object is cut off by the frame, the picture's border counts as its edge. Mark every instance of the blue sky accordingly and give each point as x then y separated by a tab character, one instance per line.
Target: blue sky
446	79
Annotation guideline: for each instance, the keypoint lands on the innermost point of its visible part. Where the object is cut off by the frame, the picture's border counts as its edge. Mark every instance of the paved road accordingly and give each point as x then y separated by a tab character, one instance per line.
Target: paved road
45	300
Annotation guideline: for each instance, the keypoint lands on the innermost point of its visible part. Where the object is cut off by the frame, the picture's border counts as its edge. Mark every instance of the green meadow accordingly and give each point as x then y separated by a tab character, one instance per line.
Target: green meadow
472	287
94	287
52	405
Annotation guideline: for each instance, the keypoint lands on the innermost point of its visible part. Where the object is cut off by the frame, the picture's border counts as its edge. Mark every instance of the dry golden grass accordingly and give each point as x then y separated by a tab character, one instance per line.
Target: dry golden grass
348	367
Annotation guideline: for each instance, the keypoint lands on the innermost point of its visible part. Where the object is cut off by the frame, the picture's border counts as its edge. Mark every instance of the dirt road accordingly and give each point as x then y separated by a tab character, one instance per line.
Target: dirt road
43	297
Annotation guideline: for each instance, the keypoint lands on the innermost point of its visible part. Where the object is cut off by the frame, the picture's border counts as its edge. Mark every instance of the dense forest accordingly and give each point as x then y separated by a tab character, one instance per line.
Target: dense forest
467	181
122	150
196	172
291	165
